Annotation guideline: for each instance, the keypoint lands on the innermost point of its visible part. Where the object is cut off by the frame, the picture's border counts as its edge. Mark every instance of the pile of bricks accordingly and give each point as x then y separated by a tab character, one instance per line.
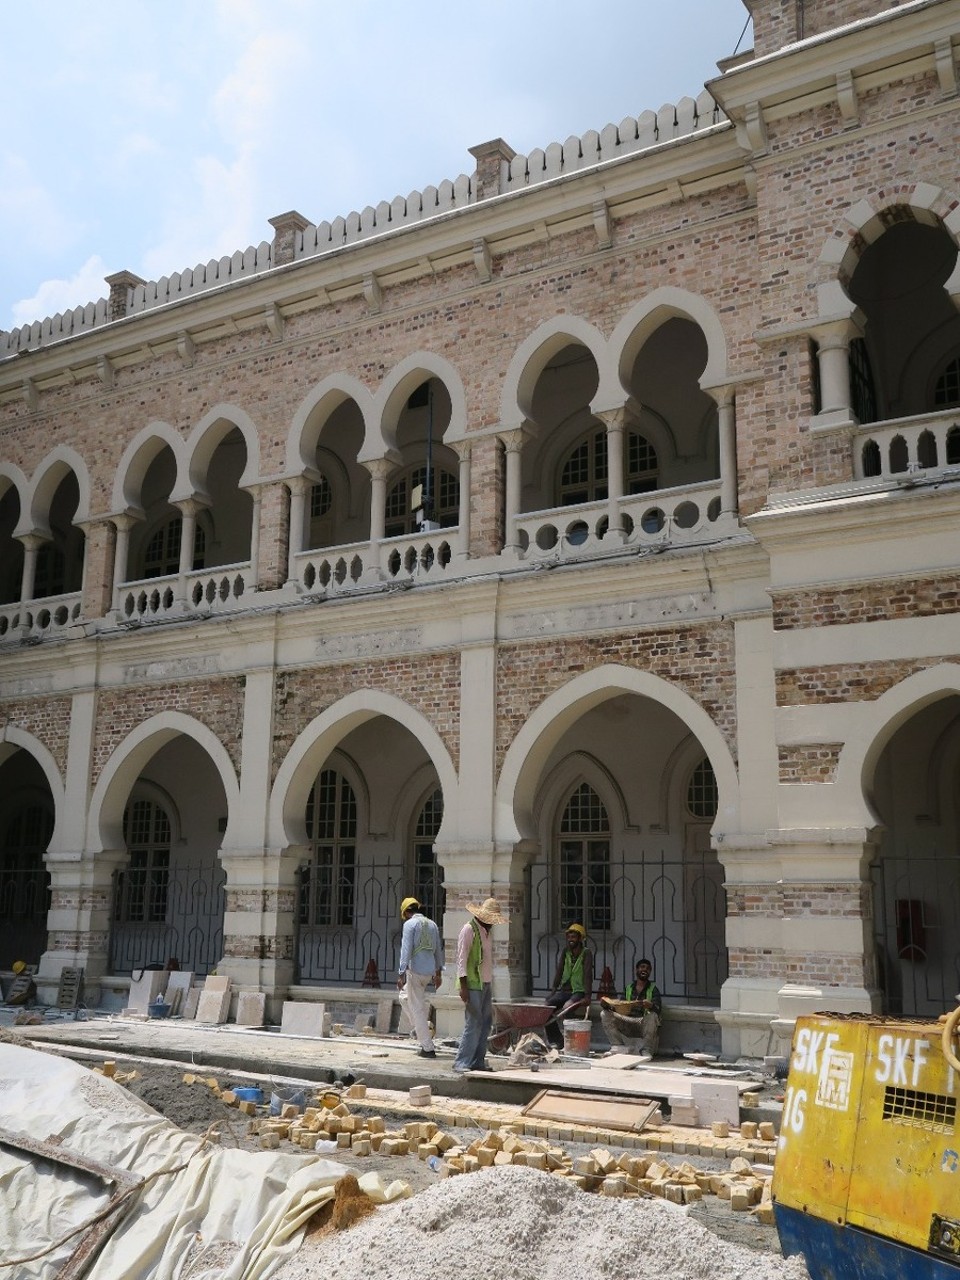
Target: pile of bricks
601	1171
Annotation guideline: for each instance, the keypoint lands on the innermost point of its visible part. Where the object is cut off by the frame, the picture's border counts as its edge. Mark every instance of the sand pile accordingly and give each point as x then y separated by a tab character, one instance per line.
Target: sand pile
512	1223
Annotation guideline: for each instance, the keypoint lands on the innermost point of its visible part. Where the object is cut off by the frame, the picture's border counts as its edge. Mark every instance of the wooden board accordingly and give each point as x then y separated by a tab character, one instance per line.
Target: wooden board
591	1109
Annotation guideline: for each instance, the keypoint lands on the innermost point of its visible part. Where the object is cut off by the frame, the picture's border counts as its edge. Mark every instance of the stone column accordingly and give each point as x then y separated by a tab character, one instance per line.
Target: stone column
286	227
270	544
833	355
261	890
255	491
32	542
121	572
462	449
614	421
188	507
379	469
513	445
120	283
299	487
727	431
78	922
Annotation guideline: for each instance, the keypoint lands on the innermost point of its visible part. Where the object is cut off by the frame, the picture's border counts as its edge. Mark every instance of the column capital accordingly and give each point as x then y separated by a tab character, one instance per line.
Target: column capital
462	448
613	419
379	468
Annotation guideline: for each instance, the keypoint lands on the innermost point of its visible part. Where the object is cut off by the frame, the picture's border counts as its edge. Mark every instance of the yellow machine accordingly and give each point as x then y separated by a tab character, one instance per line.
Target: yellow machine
867	1176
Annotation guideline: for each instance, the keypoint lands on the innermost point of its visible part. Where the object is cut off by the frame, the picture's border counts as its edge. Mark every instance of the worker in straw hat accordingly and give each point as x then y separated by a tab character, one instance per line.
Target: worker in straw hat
475	972
420	963
572	983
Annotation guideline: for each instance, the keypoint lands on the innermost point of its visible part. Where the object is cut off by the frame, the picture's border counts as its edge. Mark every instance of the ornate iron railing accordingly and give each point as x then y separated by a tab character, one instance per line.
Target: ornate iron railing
191	930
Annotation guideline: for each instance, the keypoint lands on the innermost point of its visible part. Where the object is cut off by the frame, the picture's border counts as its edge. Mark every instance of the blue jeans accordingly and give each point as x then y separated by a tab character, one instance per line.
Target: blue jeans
477	1025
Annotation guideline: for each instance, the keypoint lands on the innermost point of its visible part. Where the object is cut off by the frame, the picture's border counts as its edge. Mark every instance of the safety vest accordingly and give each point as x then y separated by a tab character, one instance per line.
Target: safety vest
573	972
423	938
645	994
475	960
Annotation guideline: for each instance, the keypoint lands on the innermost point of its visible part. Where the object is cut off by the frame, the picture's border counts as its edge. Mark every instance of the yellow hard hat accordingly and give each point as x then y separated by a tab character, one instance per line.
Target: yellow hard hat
18	966
577	928
408	902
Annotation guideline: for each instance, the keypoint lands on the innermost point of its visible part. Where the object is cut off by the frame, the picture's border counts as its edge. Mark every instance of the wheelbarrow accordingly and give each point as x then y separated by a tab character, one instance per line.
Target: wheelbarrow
512	1021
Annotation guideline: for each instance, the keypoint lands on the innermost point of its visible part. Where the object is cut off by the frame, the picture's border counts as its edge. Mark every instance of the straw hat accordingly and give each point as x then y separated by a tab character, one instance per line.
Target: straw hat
488	912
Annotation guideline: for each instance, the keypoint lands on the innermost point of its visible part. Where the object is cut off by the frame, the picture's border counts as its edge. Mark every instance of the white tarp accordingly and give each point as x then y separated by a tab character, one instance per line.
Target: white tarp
229	1215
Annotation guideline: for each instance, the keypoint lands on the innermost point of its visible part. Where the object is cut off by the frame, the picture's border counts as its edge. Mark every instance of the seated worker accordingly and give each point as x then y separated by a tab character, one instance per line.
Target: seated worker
572	983
638	1030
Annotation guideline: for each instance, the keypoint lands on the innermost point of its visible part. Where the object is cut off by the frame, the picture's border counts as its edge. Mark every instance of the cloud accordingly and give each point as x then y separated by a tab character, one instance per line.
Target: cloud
55	296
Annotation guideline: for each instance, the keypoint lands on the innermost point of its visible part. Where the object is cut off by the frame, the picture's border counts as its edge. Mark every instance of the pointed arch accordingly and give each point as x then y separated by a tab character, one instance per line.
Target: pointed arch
863	224
315	409
876	724
536	352
525	759
396	389
648	315
285	821
135	463
127	762
13	739
58	463
207	435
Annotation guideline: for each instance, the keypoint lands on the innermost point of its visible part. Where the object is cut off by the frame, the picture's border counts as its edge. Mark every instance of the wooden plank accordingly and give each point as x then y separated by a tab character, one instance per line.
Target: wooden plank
595	1109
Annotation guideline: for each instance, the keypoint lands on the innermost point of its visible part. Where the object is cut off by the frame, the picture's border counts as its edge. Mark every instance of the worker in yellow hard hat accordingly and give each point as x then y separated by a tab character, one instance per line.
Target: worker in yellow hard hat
420	963
572	983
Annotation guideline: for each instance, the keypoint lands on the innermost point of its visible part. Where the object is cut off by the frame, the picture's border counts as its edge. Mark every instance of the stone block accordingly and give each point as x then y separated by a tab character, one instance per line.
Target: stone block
716	1100
213	1007
145	989
384	1018
300	1018
216	982
251	1007
191	1002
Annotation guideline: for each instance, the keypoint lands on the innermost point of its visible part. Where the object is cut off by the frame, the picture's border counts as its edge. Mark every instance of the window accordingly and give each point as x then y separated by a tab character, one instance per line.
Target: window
328	885
702	795
144	887
584	476
584	855
446	504
862	393
162	555
50	574
426	881
946	394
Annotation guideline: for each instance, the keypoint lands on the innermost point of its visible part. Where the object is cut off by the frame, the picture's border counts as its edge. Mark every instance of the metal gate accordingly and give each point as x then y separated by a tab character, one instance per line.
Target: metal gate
24	903
189	903
916	910
671	910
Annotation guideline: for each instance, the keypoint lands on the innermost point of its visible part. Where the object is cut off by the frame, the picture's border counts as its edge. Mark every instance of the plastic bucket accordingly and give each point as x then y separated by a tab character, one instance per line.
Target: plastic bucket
158	1009
576	1036
249	1094
279	1098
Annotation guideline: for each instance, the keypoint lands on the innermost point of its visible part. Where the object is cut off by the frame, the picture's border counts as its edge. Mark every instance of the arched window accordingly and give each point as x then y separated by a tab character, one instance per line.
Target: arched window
702	794
328	885
426	881
162	555
144	888
400	518
946	393
584	473
584	862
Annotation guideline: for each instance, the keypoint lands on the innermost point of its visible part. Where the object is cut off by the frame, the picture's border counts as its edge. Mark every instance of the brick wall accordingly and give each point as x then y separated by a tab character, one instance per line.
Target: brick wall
430	684
47	719
698	659
216	703
869	602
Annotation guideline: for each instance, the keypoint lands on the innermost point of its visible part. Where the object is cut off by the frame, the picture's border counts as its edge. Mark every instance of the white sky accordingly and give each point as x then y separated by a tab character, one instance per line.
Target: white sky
152	136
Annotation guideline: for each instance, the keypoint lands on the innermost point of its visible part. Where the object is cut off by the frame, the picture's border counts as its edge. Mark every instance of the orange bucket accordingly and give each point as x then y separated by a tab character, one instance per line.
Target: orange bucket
576	1036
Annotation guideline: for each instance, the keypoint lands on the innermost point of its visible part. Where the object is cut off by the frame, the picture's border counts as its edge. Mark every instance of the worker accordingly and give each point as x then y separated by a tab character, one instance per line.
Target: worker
421	962
475	973
636	1029
572	983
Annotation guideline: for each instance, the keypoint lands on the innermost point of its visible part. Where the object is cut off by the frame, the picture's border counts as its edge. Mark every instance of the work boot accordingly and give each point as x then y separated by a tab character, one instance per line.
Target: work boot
426	1053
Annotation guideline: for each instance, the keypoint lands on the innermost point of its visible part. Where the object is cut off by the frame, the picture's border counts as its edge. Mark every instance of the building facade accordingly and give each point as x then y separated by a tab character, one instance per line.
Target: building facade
582	532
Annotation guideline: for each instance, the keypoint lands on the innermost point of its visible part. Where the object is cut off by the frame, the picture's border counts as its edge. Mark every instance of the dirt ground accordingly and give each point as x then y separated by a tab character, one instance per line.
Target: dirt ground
195	1107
